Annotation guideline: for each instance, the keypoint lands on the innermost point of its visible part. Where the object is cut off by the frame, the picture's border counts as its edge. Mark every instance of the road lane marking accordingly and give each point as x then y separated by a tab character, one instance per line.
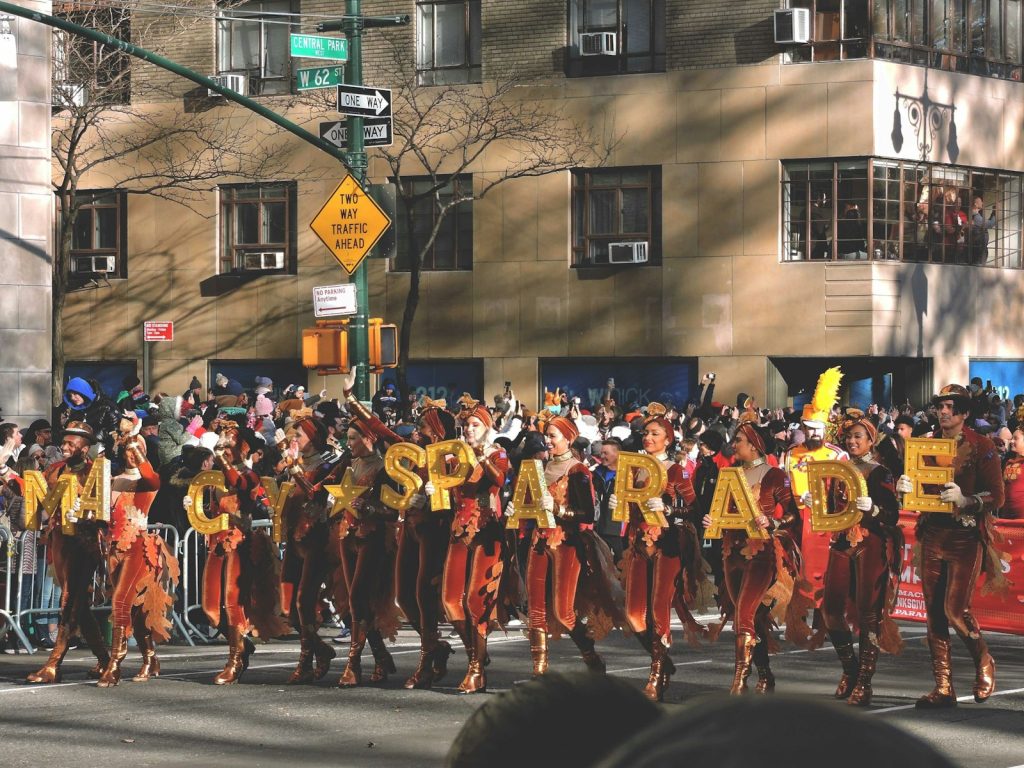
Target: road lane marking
959	699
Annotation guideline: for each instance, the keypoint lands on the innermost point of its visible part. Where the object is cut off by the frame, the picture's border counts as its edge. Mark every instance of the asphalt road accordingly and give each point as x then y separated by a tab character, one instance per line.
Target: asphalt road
181	719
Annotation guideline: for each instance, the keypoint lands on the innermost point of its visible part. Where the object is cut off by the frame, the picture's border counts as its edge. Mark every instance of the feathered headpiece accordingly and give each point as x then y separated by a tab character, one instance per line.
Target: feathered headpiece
426	402
825	395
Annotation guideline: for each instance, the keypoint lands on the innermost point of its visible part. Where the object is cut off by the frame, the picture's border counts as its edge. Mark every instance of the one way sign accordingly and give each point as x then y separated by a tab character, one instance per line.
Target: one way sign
362	101
377	132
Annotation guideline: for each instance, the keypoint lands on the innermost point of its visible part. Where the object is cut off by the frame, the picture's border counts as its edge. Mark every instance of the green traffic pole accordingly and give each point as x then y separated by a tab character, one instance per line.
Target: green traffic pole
353	26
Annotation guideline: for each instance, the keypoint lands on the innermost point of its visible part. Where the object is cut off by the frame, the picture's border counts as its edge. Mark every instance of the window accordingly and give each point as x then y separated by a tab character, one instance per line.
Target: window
99	235
87	72
618	207
916	212
453	247
840	30
610	37
258	228
448	34
252	40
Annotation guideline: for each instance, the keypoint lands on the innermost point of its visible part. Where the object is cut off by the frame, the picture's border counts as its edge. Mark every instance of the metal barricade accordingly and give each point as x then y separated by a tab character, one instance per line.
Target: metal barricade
11	619
193	556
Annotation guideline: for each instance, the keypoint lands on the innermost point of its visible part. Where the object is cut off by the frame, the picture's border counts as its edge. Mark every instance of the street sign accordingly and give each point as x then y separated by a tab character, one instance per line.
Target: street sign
350	223
334	300
377	132
158	330
319	47
364	101
312	78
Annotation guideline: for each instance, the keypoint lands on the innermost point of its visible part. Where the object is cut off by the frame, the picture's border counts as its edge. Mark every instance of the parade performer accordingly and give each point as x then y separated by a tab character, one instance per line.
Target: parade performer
864	561
655	558
241	572
760	574
956	547
475	562
309	557
422	547
76	558
140	564
814	546
570	562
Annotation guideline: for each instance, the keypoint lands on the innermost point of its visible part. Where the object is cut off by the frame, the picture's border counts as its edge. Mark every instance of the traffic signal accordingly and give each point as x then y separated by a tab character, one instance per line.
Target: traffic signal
383	345
326	347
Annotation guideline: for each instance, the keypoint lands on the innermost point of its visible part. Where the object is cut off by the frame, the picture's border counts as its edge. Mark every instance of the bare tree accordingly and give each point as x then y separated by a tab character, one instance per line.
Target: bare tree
112	129
442	132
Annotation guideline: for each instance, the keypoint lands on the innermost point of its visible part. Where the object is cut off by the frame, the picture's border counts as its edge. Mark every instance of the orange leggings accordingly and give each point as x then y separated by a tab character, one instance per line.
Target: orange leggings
650	591
564	564
469	586
747	581
126	577
221	585
864	566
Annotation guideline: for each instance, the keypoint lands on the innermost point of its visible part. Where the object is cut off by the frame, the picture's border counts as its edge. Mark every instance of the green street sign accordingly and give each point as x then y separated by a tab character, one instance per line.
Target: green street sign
319	77
319	47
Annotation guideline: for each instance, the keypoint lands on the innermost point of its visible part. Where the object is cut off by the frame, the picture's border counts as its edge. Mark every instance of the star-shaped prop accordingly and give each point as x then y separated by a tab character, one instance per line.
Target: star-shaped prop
346	494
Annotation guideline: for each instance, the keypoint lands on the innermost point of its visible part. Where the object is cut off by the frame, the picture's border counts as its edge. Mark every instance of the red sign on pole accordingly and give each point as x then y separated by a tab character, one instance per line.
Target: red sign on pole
158	330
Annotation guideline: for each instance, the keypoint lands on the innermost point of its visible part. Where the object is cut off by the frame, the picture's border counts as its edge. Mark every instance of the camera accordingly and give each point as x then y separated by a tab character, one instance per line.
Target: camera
711	377
611	383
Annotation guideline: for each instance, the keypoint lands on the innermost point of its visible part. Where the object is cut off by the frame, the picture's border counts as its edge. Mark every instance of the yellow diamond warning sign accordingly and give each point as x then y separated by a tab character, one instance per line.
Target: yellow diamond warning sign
350	224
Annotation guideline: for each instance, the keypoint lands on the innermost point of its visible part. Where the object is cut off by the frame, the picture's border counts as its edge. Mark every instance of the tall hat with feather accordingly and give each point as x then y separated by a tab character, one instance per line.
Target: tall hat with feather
826	393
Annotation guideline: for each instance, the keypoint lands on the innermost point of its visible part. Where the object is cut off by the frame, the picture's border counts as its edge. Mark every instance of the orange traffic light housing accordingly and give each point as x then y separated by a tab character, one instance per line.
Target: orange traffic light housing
326	347
383	345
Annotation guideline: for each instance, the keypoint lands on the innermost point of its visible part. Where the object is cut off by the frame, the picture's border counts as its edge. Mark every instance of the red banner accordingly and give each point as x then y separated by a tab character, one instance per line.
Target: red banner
994	613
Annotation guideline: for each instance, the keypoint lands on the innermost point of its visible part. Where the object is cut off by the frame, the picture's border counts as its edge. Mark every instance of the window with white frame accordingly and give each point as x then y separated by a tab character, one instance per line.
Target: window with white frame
252	42
257	228
448	36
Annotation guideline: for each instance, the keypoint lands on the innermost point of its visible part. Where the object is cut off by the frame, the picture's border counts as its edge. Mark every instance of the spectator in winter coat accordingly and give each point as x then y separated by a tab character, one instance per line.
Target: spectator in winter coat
171	434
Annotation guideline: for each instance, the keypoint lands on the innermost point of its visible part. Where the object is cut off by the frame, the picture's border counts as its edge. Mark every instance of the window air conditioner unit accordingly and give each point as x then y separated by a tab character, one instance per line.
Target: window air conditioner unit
598	44
233	81
93	265
793	26
627	253
70	94
257	262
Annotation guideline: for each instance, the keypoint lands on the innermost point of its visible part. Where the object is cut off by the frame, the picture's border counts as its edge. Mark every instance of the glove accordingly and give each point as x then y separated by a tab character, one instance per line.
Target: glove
952	493
655	504
279	436
186	503
864	503
904	484
72	514
613	501
509	510
429	488
348	382
547	502
417	501
330	501
323	393
805	499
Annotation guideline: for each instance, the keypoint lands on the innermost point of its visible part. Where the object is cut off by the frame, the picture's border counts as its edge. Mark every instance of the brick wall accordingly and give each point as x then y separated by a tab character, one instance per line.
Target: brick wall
705	35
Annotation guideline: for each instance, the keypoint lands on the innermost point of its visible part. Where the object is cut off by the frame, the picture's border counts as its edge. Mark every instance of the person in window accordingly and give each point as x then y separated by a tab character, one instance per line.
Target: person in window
821	223
955	229
851	232
979	230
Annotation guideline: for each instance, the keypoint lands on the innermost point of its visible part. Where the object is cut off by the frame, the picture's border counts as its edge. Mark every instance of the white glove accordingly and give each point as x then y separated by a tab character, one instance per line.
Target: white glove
613	501
348	381
330	501
417	501
429	488
865	503
655	504
72	514
904	484
547	502
951	492
805	499
509	509
279	436
186	503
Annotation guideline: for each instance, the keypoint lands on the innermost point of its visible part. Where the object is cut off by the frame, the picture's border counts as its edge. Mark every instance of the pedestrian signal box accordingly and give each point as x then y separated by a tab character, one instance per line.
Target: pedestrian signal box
383	345
326	347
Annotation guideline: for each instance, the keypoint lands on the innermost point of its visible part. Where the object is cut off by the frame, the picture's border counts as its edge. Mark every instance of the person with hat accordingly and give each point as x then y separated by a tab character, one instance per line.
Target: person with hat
813	545
241	574
139	562
422	548
76	558
864	561
956	547
759	574
658	558
586	599
476	561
